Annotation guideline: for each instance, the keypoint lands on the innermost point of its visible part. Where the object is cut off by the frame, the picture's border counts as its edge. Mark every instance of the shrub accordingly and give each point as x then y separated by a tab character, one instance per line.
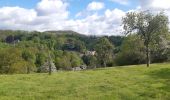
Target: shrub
130	58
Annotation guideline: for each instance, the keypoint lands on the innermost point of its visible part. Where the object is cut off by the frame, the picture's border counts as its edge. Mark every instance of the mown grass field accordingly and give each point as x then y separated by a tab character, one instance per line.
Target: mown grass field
120	83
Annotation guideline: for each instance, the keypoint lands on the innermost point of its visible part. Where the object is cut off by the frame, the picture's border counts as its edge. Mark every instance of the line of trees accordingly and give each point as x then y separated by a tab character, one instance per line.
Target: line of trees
146	41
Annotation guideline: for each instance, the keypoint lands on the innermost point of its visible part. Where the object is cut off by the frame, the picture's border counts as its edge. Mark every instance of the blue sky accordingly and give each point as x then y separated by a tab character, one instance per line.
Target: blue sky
21	3
74	7
79	5
90	17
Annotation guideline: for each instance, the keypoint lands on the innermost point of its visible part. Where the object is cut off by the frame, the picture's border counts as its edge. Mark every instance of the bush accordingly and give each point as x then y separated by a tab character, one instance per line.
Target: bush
67	60
62	63
130	58
132	52
22	67
11	62
90	61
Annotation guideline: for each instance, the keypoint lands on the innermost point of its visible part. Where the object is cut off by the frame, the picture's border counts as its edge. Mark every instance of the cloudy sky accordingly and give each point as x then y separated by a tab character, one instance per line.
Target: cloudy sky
90	17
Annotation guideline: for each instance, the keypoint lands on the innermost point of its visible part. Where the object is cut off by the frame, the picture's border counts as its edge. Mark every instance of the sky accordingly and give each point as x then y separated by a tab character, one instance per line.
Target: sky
89	17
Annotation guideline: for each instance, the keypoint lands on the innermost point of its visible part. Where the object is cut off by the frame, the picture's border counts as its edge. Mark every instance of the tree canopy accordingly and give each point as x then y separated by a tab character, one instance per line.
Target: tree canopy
147	25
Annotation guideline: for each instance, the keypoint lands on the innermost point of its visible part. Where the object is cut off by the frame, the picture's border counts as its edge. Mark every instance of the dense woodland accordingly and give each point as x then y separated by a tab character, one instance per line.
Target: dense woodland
25	52
31	51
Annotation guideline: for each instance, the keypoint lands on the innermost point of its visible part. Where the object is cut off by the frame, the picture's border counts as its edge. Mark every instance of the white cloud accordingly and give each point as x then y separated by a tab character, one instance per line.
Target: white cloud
107	24
155	4
123	2
52	7
93	6
165	4
53	15
49	14
14	14
16	17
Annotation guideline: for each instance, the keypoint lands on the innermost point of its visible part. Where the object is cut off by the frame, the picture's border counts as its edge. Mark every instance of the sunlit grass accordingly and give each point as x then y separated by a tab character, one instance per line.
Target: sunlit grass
119	83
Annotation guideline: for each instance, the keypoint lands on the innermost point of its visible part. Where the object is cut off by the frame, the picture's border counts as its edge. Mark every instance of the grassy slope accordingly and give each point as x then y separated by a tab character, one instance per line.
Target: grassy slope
124	83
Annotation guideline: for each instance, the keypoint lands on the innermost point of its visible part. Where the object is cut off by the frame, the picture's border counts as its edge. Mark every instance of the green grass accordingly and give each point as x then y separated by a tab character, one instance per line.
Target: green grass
120	83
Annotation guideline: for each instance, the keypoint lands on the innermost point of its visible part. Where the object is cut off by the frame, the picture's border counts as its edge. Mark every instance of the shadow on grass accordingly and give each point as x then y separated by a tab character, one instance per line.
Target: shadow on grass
161	74
164	76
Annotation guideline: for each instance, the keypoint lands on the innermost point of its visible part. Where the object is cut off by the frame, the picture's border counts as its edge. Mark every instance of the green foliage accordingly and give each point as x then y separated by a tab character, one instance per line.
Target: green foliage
59	43
160	51
104	50
90	61
74	45
8	57
62	63
150	27
27	55
67	60
22	67
75	60
130	58
132	51
40	58
68	49
11	61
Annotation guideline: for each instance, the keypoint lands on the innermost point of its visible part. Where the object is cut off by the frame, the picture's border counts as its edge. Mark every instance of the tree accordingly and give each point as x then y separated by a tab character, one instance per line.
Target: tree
74	45
160	51
75	60
104	50
8	57
80	46
132	51
66	60
147	25
11	61
28	56
90	61
50	45
40	59
62	62
21	67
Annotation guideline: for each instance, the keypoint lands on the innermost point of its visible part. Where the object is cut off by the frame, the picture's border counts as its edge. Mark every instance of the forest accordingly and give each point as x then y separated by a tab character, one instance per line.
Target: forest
33	51
26	52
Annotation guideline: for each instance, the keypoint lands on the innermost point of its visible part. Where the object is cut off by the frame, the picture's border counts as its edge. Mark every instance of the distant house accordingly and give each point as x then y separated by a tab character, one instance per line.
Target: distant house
88	53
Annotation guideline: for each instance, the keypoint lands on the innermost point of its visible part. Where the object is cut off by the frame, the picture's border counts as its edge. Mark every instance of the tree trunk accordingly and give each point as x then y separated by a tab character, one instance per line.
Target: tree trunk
104	63
49	67
147	55
49	62
28	70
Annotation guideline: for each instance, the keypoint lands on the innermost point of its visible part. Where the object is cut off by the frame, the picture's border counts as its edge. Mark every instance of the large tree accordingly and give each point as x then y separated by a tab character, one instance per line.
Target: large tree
50	45
104	50
147	25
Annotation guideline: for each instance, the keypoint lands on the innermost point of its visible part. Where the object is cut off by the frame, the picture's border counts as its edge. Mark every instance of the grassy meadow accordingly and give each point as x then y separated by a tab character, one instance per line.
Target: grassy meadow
117	83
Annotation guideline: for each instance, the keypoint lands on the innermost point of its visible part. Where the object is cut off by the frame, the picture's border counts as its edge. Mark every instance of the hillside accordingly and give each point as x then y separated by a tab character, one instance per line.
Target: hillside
31	50
118	83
